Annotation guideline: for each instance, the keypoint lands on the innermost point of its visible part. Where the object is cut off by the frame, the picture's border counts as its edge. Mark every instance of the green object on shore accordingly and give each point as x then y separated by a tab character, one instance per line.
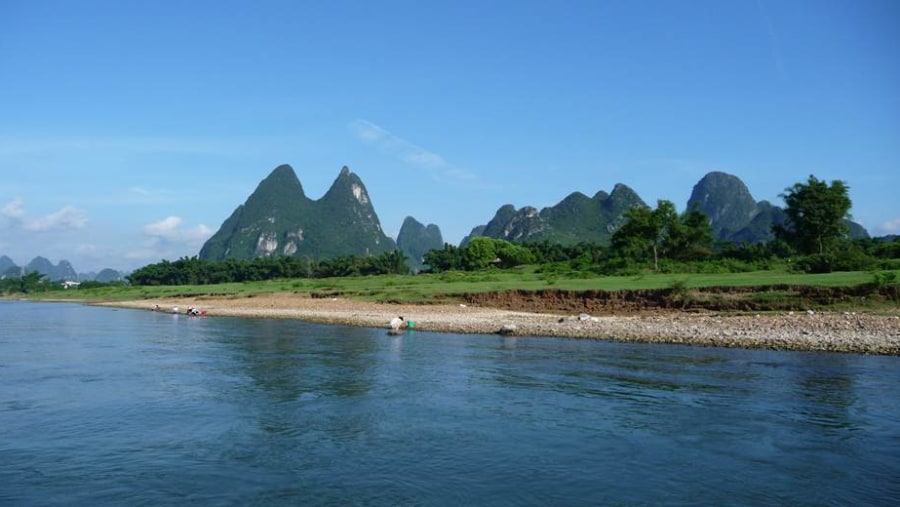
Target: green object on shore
410	324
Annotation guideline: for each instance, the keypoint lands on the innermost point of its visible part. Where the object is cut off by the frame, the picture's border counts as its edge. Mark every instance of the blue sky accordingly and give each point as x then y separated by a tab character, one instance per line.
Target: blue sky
129	131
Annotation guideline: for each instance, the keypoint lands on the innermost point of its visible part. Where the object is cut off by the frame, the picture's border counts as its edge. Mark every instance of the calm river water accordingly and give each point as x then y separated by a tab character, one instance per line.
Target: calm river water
124	407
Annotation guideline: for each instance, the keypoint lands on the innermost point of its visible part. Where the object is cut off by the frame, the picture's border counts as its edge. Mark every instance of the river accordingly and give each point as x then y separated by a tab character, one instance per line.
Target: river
101	406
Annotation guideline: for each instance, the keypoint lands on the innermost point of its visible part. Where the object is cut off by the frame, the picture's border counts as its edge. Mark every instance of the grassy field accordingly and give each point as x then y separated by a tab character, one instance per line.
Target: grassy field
448	287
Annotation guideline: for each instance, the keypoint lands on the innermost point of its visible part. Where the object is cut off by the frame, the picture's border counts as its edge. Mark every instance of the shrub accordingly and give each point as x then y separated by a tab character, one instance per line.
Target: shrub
678	292
853	260
884	278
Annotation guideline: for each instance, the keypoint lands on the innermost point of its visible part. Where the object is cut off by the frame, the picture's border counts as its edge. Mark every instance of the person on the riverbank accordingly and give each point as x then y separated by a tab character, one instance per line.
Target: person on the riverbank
396	322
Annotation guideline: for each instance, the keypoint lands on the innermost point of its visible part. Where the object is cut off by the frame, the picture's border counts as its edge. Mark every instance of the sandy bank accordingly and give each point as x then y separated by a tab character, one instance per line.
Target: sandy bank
838	332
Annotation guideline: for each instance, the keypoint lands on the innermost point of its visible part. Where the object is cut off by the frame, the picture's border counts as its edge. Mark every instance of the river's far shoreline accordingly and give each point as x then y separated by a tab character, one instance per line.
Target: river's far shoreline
800	331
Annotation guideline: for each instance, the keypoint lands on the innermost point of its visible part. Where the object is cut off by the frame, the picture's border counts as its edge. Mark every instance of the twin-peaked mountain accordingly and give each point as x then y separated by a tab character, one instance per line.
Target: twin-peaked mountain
61	271
279	219
416	239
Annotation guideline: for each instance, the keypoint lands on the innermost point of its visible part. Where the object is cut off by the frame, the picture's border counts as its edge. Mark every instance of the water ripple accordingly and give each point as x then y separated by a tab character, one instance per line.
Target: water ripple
137	408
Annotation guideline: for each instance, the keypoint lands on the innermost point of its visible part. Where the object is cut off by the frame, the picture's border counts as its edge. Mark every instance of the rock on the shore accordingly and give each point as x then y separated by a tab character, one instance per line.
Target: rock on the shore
508	329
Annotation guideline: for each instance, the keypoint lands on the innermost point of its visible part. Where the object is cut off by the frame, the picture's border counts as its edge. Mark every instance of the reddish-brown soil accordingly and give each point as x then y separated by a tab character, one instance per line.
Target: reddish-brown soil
718	299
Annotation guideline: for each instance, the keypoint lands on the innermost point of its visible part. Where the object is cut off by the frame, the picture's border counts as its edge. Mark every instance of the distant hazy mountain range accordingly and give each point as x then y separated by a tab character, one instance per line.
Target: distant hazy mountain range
59	272
278	219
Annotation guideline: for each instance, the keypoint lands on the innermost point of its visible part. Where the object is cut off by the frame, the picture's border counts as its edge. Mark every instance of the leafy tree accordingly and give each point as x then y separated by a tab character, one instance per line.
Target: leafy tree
544	252
645	230
690	237
511	254
661	232
816	213
443	260
637	235
30	282
479	253
393	263
344	265
585	256
881	248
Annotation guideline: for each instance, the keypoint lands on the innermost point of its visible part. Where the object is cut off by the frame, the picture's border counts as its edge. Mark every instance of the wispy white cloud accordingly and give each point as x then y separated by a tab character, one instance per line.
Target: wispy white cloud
368	131
890	227
169	239
170	230
411	153
67	218
14	209
167	228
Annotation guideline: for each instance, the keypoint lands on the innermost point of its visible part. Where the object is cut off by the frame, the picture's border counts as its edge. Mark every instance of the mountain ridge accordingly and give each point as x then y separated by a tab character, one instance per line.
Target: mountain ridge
734	215
278	219
574	219
62	271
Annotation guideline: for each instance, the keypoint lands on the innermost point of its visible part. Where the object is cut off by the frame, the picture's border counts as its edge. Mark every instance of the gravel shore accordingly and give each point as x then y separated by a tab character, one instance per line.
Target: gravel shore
836	332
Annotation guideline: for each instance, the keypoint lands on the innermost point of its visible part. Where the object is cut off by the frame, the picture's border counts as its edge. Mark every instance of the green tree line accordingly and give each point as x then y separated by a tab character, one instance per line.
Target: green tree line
195	271
28	283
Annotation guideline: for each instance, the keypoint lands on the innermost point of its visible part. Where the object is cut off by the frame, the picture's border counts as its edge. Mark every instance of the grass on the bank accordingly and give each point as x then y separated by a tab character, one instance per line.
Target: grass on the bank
446	287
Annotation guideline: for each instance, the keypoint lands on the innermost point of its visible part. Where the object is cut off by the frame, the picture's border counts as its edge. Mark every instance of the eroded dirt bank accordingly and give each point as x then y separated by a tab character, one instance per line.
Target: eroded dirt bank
775	298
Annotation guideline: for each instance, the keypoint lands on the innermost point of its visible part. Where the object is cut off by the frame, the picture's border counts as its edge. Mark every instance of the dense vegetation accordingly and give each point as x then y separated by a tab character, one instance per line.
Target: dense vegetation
816	212
34	282
662	232
584	260
195	271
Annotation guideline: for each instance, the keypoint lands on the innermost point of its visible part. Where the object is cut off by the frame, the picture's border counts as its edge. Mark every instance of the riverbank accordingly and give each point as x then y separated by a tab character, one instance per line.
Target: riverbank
810	331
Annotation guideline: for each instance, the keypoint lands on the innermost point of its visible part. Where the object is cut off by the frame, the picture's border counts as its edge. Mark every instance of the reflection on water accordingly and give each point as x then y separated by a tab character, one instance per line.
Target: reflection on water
125	407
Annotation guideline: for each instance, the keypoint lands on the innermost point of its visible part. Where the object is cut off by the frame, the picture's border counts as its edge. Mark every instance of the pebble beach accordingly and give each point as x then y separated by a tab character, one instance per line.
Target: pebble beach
802	331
